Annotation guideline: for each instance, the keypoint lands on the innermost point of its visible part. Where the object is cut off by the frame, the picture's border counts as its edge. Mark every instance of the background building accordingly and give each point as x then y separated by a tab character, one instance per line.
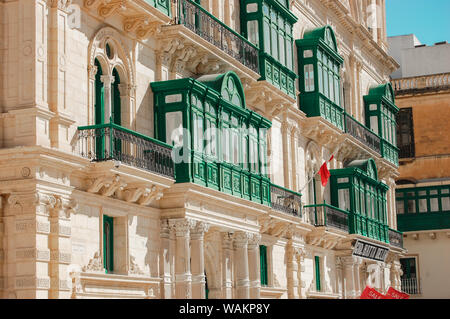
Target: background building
95	97
422	89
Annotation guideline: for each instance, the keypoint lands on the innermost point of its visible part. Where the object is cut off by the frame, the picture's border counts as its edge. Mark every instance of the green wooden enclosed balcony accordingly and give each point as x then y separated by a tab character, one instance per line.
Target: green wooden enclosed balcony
381	114
324	215
111	142
357	190
319	71
218	142
423	208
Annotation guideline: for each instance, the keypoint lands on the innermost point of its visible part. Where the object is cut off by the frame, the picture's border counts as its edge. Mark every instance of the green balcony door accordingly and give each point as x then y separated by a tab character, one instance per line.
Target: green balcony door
116	116
99	112
108	244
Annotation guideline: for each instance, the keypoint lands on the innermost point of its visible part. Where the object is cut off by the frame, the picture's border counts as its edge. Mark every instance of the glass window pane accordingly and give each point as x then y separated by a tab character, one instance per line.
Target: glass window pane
445	201
434	205
289	56
320	71
344	199
282	49
423	205
374	124
400	207
174	129
253	32
274	42
252	7
267	46
411	206
330	78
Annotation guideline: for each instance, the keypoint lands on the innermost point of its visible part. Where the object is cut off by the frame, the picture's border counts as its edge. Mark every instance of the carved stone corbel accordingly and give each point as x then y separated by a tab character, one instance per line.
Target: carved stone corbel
107	9
151	195
112	187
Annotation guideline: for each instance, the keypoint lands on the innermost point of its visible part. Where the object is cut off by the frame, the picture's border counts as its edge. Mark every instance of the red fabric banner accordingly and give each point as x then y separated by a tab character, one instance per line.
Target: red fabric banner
370	293
324	174
395	294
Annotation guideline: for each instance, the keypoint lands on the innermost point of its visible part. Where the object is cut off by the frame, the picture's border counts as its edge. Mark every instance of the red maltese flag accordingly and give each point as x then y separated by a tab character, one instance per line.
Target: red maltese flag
325	173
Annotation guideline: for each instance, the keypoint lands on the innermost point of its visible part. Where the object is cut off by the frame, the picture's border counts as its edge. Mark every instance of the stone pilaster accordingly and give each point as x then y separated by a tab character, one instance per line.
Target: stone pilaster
164	261
198	260
60	245
183	277
240	243
227	266
339	273
254	266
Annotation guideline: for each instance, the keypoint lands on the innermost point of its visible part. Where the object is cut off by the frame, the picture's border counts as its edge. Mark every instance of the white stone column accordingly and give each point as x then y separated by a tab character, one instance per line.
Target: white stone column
300	258
339	281
198	260
348	277
227	265
240	242
357	271
254	266
164	261
107	80
183	277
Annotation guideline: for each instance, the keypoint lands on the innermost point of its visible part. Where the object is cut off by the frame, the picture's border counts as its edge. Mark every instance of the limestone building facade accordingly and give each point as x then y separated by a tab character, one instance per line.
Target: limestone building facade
170	149
423	191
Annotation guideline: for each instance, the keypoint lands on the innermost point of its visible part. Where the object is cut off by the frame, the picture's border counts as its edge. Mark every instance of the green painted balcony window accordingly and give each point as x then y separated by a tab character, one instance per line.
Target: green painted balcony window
108	244
317	273
161	5
356	189
268	24
381	113
423	208
263	265
227	148
319	71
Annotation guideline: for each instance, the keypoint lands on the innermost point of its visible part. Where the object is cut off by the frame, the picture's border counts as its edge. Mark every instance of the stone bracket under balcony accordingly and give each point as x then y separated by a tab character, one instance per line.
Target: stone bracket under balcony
132	185
138	17
277	225
327	238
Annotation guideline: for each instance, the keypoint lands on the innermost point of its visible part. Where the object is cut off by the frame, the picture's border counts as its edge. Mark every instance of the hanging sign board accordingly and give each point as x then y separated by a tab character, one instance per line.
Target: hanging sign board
370	251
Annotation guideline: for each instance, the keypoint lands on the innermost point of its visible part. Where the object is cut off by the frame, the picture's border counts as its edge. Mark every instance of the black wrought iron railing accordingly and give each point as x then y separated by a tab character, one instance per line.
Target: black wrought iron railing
411	286
285	200
395	238
112	142
327	215
203	23
362	133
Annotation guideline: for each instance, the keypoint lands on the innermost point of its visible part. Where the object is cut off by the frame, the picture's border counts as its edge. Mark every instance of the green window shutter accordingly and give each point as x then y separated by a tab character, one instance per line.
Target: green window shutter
317	265
108	244
263	265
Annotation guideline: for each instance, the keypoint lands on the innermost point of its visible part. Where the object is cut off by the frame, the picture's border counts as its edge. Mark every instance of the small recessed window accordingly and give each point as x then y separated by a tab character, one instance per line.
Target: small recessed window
109	51
373	107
